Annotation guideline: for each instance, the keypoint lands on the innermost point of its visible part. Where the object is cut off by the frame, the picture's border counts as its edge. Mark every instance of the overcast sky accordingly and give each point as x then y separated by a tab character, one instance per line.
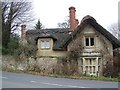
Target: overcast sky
51	12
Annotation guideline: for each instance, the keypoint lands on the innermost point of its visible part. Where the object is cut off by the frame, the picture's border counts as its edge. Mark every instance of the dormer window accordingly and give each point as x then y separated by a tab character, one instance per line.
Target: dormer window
45	44
89	41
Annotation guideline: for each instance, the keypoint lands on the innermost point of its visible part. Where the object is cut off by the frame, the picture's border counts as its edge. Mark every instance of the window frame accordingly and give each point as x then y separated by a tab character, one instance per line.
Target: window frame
89	42
90	68
46	44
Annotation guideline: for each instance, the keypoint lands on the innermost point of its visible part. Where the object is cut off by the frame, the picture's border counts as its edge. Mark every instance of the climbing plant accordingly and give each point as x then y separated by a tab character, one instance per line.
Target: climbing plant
107	61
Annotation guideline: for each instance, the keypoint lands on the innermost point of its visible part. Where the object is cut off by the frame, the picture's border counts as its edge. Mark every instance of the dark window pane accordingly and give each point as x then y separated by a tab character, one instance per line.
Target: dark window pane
87	41
92	41
90	61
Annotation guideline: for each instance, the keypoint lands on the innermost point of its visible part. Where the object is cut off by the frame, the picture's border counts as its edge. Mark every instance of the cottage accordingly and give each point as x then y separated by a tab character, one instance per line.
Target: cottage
93	43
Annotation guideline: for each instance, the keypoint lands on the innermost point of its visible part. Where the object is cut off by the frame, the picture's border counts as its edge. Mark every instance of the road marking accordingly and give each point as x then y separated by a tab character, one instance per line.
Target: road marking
51	84
75	86
58	84
33	81
3	77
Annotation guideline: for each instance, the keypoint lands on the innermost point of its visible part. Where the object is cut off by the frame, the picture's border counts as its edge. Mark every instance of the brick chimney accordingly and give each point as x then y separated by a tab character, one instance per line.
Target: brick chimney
72	18
23	31
73	21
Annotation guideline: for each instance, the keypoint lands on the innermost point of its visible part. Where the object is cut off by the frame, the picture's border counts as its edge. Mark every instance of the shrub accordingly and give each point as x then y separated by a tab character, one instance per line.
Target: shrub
6	51
12	46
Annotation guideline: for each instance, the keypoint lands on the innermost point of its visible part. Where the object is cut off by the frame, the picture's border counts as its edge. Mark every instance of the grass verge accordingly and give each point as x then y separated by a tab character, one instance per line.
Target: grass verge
101	78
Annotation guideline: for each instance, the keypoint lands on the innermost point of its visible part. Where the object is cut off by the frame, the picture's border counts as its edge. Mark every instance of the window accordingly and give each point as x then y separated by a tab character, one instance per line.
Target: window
89	41
90	66
92	41
45	44
90	61
93	69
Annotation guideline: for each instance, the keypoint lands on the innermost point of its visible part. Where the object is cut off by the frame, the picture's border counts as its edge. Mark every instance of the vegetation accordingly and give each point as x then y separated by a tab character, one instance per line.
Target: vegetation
12	45
65	24
26	51
115	29
70	62
13	14
38	25
116	63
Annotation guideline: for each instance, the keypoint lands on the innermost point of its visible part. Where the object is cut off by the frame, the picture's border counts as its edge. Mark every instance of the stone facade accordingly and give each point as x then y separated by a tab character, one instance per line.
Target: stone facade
46	65
91	57
43	65
8	63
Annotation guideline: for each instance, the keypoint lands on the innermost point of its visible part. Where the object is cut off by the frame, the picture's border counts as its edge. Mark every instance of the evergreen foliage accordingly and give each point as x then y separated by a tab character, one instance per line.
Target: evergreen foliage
38	25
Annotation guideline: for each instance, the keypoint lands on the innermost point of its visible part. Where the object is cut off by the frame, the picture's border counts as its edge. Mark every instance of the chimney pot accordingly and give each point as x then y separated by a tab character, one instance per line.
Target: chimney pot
72	8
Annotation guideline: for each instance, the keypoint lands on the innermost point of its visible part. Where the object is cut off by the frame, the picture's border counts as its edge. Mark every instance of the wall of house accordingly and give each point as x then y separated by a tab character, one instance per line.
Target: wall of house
50	51
101	43
102	46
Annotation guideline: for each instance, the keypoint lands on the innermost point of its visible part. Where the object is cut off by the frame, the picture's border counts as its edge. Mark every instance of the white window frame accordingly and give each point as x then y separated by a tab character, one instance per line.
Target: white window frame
89	41
90	68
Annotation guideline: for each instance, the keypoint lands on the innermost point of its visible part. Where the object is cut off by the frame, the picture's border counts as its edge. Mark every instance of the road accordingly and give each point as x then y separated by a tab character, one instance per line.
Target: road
17	80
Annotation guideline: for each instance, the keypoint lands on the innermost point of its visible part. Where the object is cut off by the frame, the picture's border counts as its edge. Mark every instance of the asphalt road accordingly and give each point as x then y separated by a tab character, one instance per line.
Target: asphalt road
16	80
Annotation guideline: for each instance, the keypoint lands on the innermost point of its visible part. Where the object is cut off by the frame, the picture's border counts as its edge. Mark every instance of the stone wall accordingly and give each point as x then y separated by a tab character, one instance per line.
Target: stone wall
8	63
43	65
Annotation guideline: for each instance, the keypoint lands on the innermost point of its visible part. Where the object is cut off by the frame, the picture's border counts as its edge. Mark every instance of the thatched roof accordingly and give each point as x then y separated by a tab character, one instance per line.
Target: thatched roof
57	34
88	20
62	37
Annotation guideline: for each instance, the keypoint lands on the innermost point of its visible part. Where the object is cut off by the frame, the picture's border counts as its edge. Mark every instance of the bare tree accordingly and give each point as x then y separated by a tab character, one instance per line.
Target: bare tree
65	24
13	14
119	31
115	29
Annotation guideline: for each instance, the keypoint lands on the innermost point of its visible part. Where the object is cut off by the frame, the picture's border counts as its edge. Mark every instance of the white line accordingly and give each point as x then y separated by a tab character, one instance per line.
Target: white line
51	84
58	84
33	81
3	77
75	86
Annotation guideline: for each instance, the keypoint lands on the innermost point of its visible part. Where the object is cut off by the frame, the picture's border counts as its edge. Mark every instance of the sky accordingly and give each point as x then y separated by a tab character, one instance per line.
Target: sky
51	12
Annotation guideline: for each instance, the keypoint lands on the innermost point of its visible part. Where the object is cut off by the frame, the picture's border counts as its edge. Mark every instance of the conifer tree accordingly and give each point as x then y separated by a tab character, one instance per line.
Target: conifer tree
38	25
